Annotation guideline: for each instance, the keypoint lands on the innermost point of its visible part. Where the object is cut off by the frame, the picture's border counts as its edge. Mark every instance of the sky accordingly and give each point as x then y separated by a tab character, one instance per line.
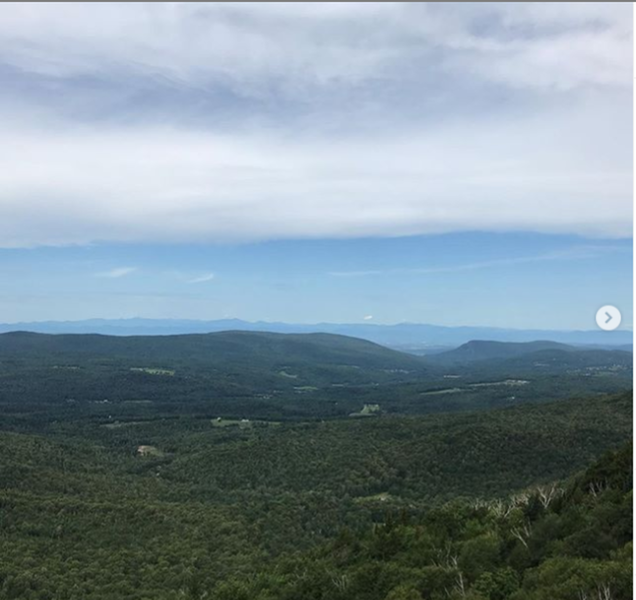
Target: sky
457	164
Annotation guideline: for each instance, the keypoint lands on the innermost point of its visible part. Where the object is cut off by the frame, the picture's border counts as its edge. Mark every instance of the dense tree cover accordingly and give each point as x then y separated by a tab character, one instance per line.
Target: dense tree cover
541	350
287	510
316	356
272	376
226	466
566	542
429	458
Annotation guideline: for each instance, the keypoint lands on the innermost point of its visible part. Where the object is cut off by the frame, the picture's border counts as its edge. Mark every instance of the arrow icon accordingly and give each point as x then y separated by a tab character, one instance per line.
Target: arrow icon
608	317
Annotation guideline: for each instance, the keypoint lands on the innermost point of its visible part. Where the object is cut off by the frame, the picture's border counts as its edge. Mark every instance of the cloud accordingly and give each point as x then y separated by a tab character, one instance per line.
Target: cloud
583	252
116	273
354	273
202	278
296	46
148	184
231	122
367	317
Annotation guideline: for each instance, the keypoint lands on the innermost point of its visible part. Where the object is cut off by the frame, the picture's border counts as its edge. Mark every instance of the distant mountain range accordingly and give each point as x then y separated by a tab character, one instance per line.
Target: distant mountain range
411	337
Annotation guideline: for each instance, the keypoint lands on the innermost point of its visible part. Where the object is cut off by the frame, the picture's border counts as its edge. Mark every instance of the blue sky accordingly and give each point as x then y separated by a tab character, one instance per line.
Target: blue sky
426	162
507	280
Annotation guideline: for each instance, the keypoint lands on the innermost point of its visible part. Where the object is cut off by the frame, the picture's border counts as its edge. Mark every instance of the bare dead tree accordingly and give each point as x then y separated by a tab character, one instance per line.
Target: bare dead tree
520	499
479	503
460	586
516	501
597	487
340	582
443	559
548	494
523	533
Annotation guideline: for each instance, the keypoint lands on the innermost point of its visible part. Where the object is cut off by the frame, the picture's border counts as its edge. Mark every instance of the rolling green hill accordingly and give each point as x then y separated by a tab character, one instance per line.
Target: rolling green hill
566	541
48	378
215	466
224	349
484	350
535	361
85	516
237	373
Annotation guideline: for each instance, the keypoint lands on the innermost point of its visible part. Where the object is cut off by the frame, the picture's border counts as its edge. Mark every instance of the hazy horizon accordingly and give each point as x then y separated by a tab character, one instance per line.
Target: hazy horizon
299	323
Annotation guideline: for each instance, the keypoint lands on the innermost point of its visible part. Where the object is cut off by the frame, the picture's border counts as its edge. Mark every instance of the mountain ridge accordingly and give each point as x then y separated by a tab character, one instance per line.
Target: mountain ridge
476	350
404	336
225	344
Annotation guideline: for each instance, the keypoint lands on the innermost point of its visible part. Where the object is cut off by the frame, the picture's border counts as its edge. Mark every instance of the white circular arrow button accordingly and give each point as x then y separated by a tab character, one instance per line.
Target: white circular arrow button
608	317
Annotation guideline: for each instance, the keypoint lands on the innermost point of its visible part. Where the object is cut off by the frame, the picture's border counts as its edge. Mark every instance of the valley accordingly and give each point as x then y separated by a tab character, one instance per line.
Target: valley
284	377
261	466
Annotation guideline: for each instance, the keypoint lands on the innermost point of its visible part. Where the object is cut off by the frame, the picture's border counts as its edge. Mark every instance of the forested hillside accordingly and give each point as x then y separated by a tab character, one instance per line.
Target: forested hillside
280	377
484	350
563	541
260	350
200	508
245	465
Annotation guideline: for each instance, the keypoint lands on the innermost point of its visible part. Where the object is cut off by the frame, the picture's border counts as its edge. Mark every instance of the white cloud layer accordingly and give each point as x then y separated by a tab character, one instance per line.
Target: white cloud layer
202	278
116	273
573	253
228	122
